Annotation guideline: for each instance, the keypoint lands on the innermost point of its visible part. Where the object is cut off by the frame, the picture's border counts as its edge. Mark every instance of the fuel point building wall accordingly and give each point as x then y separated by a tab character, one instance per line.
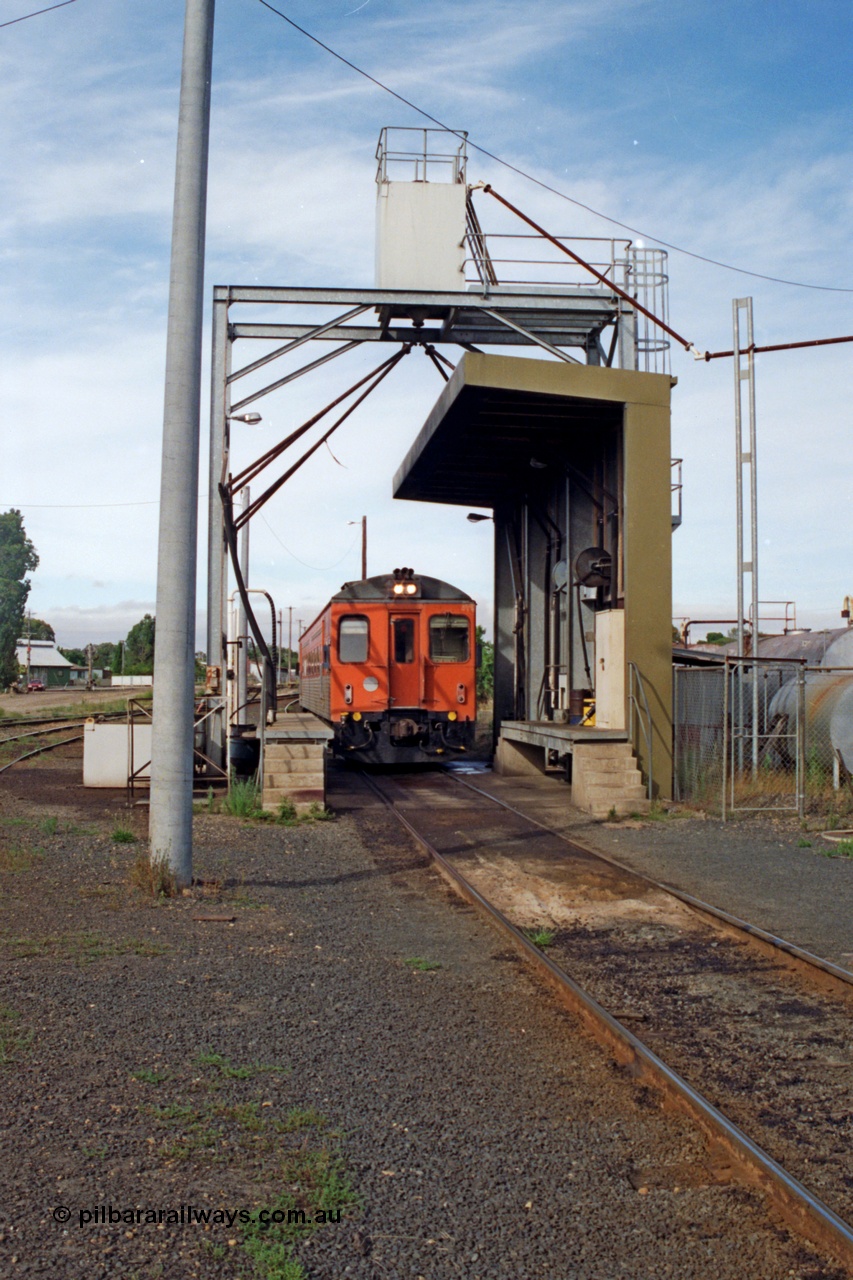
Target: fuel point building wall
574	462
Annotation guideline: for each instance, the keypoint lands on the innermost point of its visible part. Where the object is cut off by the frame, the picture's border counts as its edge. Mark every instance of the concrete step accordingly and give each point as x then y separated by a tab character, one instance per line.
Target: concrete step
310	764
627	795
293	750
597	750
616	778
302	797
281	781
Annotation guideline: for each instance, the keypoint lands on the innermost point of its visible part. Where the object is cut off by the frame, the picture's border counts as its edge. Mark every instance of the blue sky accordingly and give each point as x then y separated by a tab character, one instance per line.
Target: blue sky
721	128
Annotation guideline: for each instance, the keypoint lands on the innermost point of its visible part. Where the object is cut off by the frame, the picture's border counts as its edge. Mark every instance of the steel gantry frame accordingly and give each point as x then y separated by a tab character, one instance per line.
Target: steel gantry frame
493	315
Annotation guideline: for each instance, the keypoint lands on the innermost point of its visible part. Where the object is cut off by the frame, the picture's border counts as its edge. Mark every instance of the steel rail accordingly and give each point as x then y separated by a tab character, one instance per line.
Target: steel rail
69	722
802	1210
51	746
753	932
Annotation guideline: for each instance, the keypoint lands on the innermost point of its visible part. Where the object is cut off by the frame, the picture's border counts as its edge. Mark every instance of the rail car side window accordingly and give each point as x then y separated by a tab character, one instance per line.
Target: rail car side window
404	639
448	638
353	639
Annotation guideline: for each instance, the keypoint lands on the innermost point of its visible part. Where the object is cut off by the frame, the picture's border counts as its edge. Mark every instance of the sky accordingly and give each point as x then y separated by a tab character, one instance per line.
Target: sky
722	129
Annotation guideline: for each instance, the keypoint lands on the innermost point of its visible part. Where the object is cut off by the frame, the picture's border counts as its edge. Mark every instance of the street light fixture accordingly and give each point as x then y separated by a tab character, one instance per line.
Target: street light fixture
475	517
251	419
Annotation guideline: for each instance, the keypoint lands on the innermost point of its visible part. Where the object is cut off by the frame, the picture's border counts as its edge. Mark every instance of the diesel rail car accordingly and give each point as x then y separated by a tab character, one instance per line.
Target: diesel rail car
390	664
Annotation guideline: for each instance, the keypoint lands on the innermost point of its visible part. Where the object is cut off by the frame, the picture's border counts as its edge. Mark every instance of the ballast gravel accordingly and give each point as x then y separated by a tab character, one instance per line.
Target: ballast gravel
325	969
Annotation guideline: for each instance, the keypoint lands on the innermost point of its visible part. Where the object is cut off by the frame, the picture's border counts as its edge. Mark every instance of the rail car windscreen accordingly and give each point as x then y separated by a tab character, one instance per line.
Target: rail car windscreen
448	638
404	639
353	639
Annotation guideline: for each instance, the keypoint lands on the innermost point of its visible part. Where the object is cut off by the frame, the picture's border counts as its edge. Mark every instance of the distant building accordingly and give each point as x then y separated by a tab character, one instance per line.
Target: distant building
47	664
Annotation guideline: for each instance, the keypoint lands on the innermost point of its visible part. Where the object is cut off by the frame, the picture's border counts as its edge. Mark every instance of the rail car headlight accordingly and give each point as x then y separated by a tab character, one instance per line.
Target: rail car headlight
370	684
452	715
403	583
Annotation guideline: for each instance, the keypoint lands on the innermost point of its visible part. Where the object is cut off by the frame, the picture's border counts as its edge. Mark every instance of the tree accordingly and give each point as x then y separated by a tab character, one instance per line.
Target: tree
38	630
486	667
77	656
139	647
18	557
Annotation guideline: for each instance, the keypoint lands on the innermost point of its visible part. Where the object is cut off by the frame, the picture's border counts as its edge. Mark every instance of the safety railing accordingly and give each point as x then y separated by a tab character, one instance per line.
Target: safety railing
640	717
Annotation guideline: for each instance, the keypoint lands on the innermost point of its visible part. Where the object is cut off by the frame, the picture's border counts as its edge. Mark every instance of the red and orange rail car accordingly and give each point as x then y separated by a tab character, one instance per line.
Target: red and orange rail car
391	665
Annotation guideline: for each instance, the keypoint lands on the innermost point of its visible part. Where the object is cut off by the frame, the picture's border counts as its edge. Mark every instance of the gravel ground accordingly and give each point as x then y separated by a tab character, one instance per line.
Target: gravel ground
157	1059
768	871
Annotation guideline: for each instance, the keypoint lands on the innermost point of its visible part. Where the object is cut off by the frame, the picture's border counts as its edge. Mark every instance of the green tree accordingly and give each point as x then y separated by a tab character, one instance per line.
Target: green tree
486	668
139	648
18	557
77	656
38	630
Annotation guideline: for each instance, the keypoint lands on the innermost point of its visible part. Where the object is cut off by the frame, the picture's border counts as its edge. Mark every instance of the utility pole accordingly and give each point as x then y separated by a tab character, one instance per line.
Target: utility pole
170	826
363	547
289	643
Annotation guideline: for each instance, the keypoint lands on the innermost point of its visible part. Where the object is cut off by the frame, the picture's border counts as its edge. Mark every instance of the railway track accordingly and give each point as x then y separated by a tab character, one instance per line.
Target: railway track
747	1033
58	724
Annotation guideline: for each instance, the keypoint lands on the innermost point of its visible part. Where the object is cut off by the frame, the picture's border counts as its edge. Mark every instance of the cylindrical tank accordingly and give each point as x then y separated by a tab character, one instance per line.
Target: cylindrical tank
829	712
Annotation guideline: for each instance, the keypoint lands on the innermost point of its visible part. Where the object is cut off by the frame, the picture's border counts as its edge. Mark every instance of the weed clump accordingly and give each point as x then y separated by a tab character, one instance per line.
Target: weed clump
541	937
153	876
242	799
123	835
420	965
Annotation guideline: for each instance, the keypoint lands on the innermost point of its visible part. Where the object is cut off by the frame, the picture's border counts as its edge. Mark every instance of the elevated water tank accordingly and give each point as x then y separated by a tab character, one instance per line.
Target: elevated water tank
420	210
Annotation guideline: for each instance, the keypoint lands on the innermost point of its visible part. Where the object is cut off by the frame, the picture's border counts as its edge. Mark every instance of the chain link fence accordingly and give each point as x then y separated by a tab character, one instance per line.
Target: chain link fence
764	735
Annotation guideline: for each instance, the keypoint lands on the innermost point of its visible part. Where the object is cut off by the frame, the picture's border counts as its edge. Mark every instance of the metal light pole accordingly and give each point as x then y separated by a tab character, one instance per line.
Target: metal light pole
174	665
289	643
363	523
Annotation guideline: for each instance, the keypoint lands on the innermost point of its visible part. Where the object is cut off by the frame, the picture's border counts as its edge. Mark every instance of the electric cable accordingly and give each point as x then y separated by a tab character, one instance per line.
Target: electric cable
529	177
37	13
318	568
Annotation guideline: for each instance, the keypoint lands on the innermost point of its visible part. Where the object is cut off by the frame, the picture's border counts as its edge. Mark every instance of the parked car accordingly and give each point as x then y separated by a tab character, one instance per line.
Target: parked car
35	686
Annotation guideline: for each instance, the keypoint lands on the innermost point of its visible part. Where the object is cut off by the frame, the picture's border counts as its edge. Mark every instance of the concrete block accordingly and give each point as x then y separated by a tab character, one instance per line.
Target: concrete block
289	782
310	764
518	758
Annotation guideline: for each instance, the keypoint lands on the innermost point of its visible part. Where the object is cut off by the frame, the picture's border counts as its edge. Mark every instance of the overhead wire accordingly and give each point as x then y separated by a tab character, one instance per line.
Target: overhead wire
545	186
319	568
37	13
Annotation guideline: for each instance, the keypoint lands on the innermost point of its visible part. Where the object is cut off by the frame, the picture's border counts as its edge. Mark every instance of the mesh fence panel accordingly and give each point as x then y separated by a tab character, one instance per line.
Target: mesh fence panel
788	748
698	702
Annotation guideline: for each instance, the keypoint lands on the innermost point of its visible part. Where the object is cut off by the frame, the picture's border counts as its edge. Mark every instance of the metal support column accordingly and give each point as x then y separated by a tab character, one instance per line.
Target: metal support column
217	560
746	481
242	637
170	825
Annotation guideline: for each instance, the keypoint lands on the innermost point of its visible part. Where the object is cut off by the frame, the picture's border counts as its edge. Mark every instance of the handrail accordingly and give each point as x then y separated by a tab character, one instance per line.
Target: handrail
644	711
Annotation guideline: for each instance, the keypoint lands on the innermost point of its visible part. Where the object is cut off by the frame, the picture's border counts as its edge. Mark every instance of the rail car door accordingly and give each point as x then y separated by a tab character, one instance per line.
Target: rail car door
404	661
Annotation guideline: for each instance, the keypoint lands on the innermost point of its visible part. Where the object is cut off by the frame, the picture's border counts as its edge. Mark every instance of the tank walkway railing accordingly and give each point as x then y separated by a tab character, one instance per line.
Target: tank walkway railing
640	717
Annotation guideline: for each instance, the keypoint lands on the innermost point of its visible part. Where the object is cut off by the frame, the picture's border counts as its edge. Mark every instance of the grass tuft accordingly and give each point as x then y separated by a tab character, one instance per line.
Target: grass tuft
242	799
123	835
541	937
13	1040
153	876
420	965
